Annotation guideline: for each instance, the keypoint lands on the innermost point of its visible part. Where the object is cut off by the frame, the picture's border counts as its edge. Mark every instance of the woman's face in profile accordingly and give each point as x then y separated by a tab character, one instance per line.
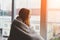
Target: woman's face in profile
30	14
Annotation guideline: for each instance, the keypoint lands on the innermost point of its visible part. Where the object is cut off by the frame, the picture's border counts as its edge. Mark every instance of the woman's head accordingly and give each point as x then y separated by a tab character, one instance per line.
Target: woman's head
24	15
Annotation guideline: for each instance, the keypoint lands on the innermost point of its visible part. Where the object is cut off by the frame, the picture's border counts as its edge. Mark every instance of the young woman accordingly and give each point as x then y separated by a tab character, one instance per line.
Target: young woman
20	28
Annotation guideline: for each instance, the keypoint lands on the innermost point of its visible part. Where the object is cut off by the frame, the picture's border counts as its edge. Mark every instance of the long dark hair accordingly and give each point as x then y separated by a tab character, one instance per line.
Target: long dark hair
24	15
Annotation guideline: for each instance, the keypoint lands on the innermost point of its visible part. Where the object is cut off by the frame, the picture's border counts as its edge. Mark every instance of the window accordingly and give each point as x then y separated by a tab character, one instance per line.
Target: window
5	18
6	14
53	20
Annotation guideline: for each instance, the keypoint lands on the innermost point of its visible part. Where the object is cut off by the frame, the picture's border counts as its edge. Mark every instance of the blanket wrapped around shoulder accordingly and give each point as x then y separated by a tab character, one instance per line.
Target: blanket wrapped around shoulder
20	31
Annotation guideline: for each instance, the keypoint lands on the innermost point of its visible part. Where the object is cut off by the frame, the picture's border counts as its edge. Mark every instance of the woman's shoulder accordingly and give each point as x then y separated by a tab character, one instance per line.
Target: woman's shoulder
15	21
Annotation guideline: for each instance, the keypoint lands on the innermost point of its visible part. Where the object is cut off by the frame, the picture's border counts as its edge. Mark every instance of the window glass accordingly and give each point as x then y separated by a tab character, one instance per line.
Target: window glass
5	18
53	20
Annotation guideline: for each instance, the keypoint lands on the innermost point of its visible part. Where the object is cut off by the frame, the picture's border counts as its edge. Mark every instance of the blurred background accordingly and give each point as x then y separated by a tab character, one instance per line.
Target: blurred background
9	10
